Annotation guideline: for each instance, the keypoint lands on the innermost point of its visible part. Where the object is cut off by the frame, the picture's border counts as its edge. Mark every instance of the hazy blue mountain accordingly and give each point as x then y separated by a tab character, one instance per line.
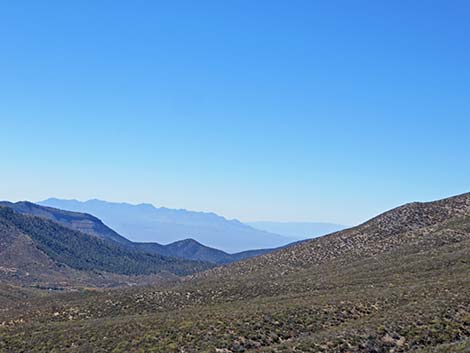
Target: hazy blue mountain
146	223
187	249
298	230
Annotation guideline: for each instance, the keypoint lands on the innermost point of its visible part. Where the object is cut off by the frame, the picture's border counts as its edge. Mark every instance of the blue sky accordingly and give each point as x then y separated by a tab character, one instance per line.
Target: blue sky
257	110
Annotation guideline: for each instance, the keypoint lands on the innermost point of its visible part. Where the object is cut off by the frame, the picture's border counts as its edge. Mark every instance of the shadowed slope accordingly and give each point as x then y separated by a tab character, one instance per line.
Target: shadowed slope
36	245
82	222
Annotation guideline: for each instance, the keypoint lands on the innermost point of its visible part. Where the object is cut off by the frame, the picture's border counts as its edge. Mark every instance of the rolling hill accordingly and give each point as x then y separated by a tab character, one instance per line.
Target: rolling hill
191	249
397	283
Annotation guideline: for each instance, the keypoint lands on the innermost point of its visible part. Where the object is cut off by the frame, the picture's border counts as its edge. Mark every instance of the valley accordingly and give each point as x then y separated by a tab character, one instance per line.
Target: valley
399	282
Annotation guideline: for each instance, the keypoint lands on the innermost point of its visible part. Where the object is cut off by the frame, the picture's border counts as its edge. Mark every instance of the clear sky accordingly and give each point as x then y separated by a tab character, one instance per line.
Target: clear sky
257	110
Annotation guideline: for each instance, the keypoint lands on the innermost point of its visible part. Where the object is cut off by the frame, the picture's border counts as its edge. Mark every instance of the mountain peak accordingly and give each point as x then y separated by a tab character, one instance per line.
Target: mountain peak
187	241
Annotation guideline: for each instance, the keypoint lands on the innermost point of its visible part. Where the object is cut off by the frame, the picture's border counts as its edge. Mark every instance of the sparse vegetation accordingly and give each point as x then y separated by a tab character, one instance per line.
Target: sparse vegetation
399	283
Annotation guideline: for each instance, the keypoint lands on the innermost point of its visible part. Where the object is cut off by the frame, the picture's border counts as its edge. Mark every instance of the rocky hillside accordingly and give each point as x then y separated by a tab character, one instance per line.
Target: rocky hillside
298	230
398	283
416	225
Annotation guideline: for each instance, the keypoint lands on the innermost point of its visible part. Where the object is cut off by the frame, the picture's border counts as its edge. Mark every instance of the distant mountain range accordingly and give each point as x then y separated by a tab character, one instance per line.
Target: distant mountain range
37	251
51	247
188	249
146	223
298	230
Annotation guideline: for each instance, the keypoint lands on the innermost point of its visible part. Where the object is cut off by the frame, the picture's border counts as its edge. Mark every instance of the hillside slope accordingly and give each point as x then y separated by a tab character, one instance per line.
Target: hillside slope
412	225
398	283
298	230
82	222
35	245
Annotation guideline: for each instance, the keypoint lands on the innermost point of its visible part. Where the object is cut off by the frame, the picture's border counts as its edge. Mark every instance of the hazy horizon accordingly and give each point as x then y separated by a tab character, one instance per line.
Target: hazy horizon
179	208
246	221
